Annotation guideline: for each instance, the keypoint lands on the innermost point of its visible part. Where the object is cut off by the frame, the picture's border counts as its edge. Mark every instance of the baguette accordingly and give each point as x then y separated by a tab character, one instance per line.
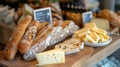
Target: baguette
65	23
42	26
54	9
38	36
56	23
58	17
44	35
44	32
26	42
17	34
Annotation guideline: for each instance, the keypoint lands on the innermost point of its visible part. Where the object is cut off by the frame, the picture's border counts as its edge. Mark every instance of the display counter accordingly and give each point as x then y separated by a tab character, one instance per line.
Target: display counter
88	57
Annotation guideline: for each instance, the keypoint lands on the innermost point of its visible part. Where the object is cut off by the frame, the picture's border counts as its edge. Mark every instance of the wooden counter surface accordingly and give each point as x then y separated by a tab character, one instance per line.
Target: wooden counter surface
85	58
102	52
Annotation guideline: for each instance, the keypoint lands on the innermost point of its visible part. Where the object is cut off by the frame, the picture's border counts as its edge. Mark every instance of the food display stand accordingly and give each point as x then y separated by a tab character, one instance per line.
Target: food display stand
88	57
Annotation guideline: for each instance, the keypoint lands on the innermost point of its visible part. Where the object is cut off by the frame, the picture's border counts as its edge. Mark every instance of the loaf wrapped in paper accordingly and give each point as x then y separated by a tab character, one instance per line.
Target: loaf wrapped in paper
39	47
57	35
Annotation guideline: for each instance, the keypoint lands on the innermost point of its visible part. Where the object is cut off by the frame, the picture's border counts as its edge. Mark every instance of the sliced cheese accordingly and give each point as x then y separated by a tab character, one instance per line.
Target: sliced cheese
106	37
54	56
82	32
99	31
102	23
85	30
89	38
95	36
102	39
90	25
91	33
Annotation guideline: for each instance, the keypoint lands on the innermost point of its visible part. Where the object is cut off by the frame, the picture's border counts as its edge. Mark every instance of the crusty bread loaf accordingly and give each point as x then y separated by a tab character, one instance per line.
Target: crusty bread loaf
54	9
42	26
41	43
55	15
55	24
44	32
26	41
65	23
17	34
111	16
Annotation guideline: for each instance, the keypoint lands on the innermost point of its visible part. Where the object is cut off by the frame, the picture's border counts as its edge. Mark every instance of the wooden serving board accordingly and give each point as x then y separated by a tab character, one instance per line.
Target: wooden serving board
70	60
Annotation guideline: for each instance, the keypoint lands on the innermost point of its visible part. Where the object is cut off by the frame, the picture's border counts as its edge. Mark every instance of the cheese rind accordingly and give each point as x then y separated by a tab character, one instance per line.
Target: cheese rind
54	56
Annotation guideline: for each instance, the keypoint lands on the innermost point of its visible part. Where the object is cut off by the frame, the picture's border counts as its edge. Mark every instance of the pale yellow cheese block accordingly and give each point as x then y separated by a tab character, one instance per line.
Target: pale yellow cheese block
101	23
54	56
27	10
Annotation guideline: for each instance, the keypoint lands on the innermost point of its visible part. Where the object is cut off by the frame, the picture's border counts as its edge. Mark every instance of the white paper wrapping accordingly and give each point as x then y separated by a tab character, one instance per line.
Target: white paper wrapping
57	35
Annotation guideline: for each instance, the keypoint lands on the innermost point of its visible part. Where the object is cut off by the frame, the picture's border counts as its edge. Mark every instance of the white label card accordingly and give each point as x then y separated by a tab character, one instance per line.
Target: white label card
43	15
87	16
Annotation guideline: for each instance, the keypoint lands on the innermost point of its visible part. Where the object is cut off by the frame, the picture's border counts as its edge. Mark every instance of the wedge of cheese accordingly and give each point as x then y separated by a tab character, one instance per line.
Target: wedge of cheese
54	56
90	25
27	10
101	23
81	32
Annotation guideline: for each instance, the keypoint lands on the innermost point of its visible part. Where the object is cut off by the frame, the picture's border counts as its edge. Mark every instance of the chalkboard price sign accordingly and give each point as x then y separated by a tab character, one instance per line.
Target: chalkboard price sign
43	15
87	16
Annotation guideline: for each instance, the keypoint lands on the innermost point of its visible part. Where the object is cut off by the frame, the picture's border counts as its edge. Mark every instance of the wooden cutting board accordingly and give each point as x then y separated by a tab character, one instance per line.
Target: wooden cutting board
70	60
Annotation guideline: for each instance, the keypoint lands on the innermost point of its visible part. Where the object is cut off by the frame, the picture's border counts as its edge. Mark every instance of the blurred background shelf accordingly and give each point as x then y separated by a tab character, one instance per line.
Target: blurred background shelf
5	32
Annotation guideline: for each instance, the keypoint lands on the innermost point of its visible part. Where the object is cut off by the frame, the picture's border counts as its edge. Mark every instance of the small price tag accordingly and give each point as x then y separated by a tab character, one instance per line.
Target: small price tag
87	16
43	15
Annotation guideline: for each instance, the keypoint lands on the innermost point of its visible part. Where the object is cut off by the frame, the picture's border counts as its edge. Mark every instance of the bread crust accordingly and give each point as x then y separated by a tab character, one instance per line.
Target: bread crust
42	26
41	43
43	35
17	34
26	41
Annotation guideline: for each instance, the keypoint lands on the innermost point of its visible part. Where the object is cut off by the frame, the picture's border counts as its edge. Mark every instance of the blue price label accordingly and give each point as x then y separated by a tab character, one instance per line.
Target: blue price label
87	16
43	15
